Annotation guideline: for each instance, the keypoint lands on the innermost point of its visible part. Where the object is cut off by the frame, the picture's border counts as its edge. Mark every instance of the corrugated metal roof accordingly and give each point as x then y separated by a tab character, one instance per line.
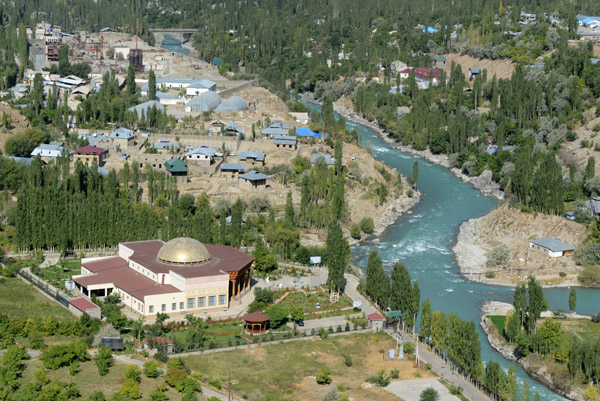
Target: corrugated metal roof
233	166
285	140
553	244
146	106
258	156
327	158
254	176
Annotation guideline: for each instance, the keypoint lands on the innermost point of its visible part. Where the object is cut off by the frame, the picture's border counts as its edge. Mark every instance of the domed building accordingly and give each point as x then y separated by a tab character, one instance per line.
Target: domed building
182	275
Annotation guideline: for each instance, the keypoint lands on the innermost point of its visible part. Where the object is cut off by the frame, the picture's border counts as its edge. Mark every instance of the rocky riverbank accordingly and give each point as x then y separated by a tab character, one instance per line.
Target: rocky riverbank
394	208
482	183
531	364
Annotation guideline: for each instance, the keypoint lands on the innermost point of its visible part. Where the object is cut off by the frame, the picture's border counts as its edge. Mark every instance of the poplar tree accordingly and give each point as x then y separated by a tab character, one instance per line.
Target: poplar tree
525	390
537	303
590	169
151	85
289	210
426	318
401	293
23	49
520	303
572	300
547	188
130	80
135	181
415	173
520	181
338	155
338	255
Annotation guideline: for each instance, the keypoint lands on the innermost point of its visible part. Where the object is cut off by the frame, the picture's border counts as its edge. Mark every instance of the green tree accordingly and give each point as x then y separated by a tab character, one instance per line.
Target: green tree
525	390
520	303
537	303
415	173
590	169
236	223
131	388
277	315
130	80
426	319
151	85
103	360
401	293
23	49
64	65
338	256
512	326
289	210
572	299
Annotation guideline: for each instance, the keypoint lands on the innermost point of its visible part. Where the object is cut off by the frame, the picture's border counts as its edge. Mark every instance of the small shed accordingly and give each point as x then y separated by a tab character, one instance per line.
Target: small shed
286	141
255	178
79	306
232	168
158	343
474	71
439	61
376	321
554	247
177	168
256	322
315	158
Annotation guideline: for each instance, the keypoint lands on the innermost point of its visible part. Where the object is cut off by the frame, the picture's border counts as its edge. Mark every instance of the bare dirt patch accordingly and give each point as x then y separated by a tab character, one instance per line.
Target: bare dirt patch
502	68
514	229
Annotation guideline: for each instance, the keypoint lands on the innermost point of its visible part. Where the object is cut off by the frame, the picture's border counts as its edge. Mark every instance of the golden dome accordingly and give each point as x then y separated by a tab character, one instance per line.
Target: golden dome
183	251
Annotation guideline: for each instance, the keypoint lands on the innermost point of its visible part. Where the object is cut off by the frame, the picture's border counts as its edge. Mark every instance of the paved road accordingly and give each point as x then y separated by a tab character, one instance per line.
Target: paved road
443	370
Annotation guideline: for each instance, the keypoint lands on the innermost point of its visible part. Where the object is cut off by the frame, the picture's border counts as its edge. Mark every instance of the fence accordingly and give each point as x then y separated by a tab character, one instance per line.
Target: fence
257	341
44	287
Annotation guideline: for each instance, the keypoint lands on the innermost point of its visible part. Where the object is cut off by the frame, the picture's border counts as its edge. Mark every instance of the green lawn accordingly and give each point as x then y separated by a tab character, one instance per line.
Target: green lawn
278	369
498	321
309	304
20	299
584	328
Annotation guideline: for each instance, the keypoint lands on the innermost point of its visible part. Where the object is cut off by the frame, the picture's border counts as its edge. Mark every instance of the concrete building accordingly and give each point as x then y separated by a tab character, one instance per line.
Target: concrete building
203	155
276	128
168	99
182	275
88	154
376	321
232	169
177	168
286	141
301	118
255	179
199	87
165	146
48	151
122	137
251	159
327	159
79	306
554	247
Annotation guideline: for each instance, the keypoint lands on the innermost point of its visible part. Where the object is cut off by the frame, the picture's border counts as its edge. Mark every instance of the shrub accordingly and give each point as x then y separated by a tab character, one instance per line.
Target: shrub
151	369
456	390
490	274
596	318
429	394
133	373
409	348
382	379
562	274
161	357
62	355
348	360
355	231
103	360
324	376
216	383
587	254
499	255
590	276
366	225
394	373
131	389
332	395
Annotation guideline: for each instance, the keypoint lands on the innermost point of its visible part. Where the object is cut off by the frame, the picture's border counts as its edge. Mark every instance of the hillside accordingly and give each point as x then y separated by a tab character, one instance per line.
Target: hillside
514	229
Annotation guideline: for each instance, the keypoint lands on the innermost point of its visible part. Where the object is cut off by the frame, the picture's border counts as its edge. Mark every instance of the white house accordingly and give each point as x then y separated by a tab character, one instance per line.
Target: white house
554	247
203	155
49	150
198	87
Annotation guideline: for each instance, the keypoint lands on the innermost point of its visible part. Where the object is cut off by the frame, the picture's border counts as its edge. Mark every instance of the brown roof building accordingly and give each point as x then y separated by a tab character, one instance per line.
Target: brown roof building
182	275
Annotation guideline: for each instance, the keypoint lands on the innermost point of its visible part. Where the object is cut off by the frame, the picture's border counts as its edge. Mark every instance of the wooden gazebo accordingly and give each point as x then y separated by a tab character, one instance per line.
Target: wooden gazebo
256	322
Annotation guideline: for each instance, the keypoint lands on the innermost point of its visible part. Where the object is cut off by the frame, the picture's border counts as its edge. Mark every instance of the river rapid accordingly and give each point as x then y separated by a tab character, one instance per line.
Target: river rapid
423	242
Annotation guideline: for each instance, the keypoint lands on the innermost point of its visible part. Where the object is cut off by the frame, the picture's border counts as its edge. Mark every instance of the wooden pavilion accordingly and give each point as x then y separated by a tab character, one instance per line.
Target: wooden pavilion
256	322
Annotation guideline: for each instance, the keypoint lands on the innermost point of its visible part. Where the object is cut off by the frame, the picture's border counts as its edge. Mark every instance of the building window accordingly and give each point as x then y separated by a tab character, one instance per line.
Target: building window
174	306
221	299
181	305
201	302
212	300
163	307
151	309
191	302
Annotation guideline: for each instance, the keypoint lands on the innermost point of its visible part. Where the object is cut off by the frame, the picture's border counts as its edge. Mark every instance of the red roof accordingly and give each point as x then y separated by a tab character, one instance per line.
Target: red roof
375	316
422	72
223	259
97	266
83	304
256	317
89	150
125	278
158	340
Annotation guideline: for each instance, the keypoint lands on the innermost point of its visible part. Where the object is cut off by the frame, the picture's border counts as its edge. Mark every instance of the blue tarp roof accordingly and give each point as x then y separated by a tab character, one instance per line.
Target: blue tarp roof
307	132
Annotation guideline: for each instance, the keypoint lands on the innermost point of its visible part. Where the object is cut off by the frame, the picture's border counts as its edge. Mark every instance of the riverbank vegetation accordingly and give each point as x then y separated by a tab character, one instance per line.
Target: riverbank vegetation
565	348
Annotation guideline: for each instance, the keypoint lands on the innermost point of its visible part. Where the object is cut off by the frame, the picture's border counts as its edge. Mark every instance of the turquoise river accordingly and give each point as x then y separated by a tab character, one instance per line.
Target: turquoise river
423	242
